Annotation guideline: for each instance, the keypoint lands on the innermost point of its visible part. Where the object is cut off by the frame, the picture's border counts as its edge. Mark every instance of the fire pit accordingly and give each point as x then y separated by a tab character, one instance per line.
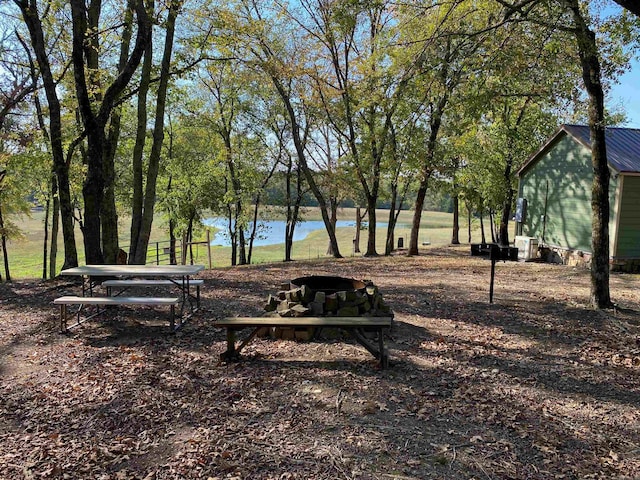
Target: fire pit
328	296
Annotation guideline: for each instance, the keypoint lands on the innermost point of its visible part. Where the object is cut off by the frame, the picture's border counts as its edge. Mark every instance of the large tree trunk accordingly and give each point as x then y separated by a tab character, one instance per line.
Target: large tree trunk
137	200
109	215
334	219
95	110
93	193
436	121
371	231
158	133
242	245
588	50
61	169
417	216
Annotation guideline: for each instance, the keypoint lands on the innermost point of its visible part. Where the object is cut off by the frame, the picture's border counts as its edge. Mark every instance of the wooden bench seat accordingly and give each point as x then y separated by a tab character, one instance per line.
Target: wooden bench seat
106	301
354	325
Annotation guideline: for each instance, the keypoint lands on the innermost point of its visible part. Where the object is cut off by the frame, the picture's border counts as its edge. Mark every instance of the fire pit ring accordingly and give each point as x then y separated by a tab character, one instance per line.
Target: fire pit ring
319	295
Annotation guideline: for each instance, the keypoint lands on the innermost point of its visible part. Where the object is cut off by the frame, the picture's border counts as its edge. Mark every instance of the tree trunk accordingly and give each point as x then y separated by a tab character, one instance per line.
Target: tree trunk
492	225
93	193
302	159
55	227
95	110
61	169
254	230
189	239
158	133
242	241
436	121
371	231
232	229
3	237
45	242
356	238
391	225
503	235
137	200
455	236
469	219
173	259
109	213
588	51
53	203
334	219
394	213
290	226
417	216
293	209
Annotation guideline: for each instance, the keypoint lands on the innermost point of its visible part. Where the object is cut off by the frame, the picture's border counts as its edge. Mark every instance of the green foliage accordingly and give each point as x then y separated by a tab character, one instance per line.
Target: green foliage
369	81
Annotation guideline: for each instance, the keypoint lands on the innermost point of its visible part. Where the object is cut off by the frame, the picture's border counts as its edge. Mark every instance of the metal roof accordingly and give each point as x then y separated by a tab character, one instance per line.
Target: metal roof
623	146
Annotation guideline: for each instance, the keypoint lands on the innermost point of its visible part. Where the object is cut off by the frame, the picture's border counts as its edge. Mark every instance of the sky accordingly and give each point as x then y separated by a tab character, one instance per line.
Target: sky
627	93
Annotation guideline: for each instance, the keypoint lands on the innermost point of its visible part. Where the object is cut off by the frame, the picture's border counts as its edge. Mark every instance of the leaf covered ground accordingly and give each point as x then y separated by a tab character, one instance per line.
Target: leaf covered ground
534	386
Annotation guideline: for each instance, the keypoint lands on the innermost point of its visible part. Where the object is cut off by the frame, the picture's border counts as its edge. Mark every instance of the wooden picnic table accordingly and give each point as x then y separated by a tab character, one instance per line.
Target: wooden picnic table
355	326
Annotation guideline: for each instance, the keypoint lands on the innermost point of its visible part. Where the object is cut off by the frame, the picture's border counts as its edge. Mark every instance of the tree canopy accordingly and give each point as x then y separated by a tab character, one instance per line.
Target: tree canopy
206	105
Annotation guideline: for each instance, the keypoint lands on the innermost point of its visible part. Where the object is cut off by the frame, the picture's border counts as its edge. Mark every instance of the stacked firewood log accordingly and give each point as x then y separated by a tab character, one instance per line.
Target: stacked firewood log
303	301
300	301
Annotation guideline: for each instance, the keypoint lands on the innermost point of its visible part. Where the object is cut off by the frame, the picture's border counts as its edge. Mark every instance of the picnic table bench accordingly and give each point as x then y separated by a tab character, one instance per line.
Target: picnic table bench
105	301
355	326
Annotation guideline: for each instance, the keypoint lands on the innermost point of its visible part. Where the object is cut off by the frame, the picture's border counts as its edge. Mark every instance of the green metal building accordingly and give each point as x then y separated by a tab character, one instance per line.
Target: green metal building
555	183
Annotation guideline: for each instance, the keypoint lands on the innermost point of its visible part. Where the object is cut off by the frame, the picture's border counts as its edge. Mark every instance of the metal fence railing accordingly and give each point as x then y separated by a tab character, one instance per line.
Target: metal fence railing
159	252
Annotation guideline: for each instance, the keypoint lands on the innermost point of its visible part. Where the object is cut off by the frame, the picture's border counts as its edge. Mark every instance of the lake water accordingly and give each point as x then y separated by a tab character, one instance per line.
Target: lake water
271	232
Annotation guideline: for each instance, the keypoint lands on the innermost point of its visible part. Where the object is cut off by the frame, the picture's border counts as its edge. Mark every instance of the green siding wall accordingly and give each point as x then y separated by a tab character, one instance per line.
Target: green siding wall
629	220
558	192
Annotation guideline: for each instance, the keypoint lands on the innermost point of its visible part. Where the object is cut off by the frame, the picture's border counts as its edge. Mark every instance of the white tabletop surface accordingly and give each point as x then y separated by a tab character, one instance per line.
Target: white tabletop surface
134	270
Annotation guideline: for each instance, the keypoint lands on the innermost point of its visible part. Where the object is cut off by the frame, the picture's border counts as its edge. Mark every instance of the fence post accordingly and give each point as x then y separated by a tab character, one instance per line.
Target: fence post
157	254
209	247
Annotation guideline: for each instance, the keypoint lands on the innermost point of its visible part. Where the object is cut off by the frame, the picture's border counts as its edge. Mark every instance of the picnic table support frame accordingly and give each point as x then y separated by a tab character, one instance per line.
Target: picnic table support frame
106	302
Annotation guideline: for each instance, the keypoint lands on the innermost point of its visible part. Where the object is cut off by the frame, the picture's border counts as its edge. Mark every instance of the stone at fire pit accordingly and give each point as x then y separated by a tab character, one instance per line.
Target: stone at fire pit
328	296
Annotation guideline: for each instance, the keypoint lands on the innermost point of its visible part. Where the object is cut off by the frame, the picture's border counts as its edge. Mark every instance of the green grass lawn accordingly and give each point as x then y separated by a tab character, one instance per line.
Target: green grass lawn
25	253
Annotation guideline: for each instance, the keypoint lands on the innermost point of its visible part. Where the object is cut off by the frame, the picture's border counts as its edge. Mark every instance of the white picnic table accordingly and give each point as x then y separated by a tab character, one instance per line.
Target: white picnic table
127	276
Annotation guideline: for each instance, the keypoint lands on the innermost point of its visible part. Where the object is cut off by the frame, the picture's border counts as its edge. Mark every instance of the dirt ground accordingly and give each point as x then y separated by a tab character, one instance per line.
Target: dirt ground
534	386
